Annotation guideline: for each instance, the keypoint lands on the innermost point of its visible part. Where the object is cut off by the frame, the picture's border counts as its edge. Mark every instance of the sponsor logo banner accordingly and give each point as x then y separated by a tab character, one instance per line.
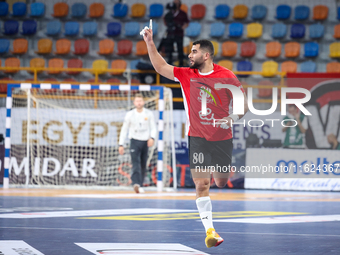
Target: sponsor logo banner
292	169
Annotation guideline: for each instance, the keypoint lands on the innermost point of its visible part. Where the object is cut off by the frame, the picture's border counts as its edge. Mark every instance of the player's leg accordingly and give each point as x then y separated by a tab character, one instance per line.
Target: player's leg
135	151
200	164
222	156
144	158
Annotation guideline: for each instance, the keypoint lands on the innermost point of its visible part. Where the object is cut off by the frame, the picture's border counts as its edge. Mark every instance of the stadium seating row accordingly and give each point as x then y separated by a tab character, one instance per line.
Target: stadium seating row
273	49
138	10
79	10
72	28
106	47
269	68
72	63
132	28
255	30
81	47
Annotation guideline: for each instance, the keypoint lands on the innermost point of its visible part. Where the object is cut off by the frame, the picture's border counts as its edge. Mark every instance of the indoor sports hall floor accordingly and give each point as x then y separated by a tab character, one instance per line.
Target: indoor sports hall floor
81	222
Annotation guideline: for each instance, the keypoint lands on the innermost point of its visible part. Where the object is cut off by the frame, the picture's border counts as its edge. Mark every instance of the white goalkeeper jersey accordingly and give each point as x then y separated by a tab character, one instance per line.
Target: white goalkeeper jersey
139	125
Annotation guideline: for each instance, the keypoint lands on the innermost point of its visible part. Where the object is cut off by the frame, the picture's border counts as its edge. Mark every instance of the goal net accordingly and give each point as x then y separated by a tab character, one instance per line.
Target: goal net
68	135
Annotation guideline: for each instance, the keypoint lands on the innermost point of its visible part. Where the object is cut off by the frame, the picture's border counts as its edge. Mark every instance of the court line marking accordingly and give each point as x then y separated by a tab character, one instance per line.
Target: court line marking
56	214
190	216
18	247
166	231
139	248
286	219
129	195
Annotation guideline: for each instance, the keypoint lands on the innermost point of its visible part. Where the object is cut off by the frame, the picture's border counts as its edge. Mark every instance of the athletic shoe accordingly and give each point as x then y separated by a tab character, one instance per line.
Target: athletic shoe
213	239
136	188
141	190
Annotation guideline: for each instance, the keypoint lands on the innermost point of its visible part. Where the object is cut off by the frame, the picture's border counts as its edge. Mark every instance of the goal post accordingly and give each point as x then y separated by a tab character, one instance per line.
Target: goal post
67	135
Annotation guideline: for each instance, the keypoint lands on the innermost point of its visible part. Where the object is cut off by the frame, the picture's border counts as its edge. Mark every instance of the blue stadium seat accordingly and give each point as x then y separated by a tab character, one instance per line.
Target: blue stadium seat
120	10
297	31
154	26
283	12
311	49
222	11
316	31
235	29
194	29
338	13
78	10
29	27
19	9
279	30
156	10
244	66
113	29
4	45
90	28
11	27
308	67
258	12
217	29
53	27
71	28
3	9
37	9
131	28
133	64
301	12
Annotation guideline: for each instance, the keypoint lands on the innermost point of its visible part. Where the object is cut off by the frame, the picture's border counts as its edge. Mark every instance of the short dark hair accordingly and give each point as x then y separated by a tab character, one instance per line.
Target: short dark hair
206	45
139	95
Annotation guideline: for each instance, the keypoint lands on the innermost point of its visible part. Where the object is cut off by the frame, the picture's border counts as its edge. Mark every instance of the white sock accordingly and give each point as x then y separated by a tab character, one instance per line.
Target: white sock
205	209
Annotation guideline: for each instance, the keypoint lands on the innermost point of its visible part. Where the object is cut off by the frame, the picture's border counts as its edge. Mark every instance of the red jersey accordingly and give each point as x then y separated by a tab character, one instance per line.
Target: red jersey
194	86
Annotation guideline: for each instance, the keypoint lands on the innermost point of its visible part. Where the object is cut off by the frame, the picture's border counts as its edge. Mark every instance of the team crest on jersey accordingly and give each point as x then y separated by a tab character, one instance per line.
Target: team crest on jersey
202	93
146	118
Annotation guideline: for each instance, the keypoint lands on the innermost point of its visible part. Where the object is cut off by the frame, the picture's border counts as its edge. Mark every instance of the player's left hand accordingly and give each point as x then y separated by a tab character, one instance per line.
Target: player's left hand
148	36
150	142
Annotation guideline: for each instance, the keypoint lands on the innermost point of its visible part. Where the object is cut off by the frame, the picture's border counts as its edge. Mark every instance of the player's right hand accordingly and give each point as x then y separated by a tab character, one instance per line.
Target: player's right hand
148	35
121	150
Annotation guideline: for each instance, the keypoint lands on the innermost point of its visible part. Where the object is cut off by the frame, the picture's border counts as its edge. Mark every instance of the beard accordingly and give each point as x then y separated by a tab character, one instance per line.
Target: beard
197	64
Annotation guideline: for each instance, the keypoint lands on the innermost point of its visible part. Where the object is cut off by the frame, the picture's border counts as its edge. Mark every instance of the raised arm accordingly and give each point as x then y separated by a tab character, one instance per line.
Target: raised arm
158	62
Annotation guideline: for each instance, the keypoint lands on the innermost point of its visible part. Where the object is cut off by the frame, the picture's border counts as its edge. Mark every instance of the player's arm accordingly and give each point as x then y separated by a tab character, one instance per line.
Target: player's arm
235	117
288	123
153	129
123	133
301	127
158	62
245	106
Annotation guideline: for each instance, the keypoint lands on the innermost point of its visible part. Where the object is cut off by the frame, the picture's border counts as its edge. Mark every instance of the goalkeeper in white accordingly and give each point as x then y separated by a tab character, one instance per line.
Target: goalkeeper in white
141	126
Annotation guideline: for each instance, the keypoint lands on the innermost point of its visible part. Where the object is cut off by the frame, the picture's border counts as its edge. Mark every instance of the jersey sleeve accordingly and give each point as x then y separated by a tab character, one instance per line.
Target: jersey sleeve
232	80
179	73
237	82
125	127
